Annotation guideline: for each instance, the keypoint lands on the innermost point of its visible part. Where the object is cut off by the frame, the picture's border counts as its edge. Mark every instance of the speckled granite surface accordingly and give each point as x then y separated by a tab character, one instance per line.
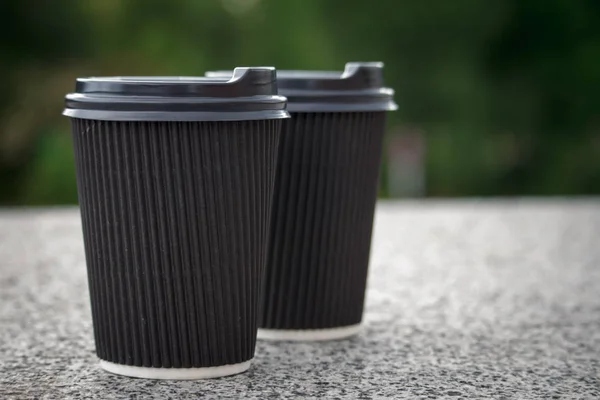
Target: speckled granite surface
466	300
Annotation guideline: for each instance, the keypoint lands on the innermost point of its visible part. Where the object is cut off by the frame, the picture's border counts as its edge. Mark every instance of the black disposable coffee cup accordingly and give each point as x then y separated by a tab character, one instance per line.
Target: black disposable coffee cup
175	179
324	201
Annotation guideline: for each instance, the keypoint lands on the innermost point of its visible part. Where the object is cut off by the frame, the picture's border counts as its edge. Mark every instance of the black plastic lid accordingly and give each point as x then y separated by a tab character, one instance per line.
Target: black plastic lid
358	88
247	94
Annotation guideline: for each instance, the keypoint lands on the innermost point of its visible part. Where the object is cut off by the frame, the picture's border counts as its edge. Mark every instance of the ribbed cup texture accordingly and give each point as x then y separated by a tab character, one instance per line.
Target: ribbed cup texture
175	218
322	218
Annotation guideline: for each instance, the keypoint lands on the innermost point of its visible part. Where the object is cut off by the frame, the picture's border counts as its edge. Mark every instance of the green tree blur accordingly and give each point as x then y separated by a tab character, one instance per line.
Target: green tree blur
504	92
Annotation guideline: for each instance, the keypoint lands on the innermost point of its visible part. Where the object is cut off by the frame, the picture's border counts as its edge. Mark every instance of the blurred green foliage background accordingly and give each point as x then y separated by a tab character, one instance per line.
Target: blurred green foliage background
501	96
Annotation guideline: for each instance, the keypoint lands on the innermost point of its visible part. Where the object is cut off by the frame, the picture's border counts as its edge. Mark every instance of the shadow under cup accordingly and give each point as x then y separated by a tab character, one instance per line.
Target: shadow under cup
324	201
175	178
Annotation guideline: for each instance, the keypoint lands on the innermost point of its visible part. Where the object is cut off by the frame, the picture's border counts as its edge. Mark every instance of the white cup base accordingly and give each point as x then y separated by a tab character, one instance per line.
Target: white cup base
309	335
175	373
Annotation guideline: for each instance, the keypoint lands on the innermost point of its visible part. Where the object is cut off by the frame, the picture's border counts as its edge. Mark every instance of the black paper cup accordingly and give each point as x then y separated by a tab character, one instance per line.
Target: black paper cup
324	201
175	177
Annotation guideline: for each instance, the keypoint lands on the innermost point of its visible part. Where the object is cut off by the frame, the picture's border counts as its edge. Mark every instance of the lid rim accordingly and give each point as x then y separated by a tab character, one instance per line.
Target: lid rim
175	116
316	107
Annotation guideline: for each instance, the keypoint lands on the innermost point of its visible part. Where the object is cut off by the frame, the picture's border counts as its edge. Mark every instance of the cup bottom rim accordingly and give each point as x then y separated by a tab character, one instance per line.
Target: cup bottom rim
175	373
301	335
